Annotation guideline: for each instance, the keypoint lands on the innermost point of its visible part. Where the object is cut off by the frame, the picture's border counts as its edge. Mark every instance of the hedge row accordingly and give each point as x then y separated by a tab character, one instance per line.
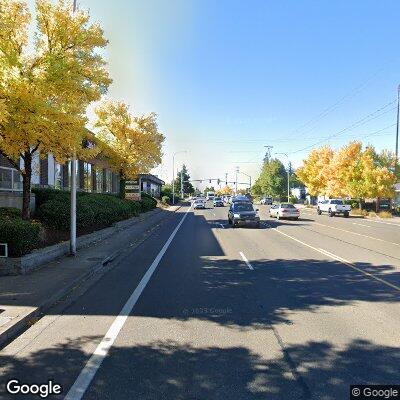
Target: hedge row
21	236
93	209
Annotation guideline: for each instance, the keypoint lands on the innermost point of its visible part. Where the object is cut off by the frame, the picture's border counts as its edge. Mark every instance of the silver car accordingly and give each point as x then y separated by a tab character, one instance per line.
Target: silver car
284	210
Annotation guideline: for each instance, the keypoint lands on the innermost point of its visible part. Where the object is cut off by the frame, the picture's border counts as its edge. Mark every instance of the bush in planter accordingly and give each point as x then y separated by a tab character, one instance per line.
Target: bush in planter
165	200
93	209
21	236
10	212
147	202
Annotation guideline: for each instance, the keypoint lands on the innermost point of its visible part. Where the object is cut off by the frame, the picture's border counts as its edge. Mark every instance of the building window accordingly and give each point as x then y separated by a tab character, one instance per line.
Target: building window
6	178
58	175
108	181
87	181
99	180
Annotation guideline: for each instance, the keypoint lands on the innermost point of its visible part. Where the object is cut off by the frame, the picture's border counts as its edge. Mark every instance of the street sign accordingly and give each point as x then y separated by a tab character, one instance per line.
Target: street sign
132	189
3	250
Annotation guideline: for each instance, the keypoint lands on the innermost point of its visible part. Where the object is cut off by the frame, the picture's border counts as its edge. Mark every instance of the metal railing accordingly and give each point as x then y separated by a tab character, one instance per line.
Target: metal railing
10	180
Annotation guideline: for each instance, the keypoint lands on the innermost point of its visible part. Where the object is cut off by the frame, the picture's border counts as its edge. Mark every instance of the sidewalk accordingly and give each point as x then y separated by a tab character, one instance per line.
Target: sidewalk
24	297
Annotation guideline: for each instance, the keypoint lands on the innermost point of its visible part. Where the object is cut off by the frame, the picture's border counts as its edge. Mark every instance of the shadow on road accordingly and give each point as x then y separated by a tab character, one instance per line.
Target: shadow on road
170	370
199	283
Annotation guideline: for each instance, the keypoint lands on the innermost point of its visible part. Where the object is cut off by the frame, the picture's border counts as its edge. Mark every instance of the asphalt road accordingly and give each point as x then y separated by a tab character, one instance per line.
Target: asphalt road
293	310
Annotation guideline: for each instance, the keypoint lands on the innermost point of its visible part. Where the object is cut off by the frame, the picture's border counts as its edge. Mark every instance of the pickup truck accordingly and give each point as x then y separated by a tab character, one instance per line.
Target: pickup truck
333	207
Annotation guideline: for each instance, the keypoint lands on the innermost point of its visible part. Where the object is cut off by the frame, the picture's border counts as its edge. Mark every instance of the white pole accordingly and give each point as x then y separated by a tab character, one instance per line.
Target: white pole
72	243
181	185
173	178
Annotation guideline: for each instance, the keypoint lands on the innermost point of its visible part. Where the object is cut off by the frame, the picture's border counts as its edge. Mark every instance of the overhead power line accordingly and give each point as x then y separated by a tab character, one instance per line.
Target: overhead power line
360	122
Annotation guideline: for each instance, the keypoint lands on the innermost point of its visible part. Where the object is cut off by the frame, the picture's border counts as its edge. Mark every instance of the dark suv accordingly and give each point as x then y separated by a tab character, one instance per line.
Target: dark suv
243	213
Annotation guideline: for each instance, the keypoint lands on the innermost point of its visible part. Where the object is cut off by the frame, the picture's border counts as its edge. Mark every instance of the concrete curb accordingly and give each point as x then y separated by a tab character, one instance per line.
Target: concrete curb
22	323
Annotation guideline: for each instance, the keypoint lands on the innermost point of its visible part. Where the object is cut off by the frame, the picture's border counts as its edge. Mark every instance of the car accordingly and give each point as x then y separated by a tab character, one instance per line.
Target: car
199	203
243	213
240	199
266	200
210	196
333	207
218	202
284	210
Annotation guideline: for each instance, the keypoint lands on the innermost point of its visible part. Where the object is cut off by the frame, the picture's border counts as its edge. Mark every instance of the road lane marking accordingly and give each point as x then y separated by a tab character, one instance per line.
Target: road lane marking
367	226
340	259
222	226
358	234
87	374
246	260
386	223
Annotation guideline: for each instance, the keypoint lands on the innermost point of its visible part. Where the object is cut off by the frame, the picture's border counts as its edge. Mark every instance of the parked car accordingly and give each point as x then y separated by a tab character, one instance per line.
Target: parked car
199	203
266	200
284	210
333	207
243	213
218	202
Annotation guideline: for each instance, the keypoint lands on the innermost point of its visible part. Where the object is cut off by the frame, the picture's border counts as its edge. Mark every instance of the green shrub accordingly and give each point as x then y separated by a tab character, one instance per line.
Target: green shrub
93	209
21	236
43	195
10	212
148	202
165	200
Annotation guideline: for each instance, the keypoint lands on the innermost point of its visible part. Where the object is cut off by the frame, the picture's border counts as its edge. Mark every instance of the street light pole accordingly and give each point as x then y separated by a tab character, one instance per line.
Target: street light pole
288	177
72	243
173	173
249	176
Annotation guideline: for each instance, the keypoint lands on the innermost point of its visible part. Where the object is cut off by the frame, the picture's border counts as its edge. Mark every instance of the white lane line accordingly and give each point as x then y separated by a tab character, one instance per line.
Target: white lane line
386	223
367	226
246	260
87	374
342	260
358	234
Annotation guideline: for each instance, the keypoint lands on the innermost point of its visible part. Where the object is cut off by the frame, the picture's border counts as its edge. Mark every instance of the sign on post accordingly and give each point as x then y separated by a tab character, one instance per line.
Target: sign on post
132	189
3	250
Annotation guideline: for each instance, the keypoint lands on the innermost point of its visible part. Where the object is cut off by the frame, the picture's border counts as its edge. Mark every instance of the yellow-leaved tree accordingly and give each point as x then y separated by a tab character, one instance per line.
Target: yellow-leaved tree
225	191
132	143
315	172
48	84
3	111
349	172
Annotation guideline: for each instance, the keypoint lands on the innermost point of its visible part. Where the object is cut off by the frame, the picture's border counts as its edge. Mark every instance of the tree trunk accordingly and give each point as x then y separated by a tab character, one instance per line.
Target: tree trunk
360	204
377	205
26	186
121	185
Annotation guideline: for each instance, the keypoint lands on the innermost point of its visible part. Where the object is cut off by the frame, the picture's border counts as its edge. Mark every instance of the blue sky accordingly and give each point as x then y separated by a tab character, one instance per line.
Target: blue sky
228	77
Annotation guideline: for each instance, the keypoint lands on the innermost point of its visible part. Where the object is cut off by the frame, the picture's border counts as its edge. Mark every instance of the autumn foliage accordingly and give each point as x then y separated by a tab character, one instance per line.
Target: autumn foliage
47	85
133	143
352	171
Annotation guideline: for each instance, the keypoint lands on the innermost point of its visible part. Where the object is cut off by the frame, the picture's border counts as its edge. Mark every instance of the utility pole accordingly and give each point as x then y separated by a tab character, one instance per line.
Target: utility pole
182	183
237	171
396	161
267	156
173	173
226	179
72	242
288	176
